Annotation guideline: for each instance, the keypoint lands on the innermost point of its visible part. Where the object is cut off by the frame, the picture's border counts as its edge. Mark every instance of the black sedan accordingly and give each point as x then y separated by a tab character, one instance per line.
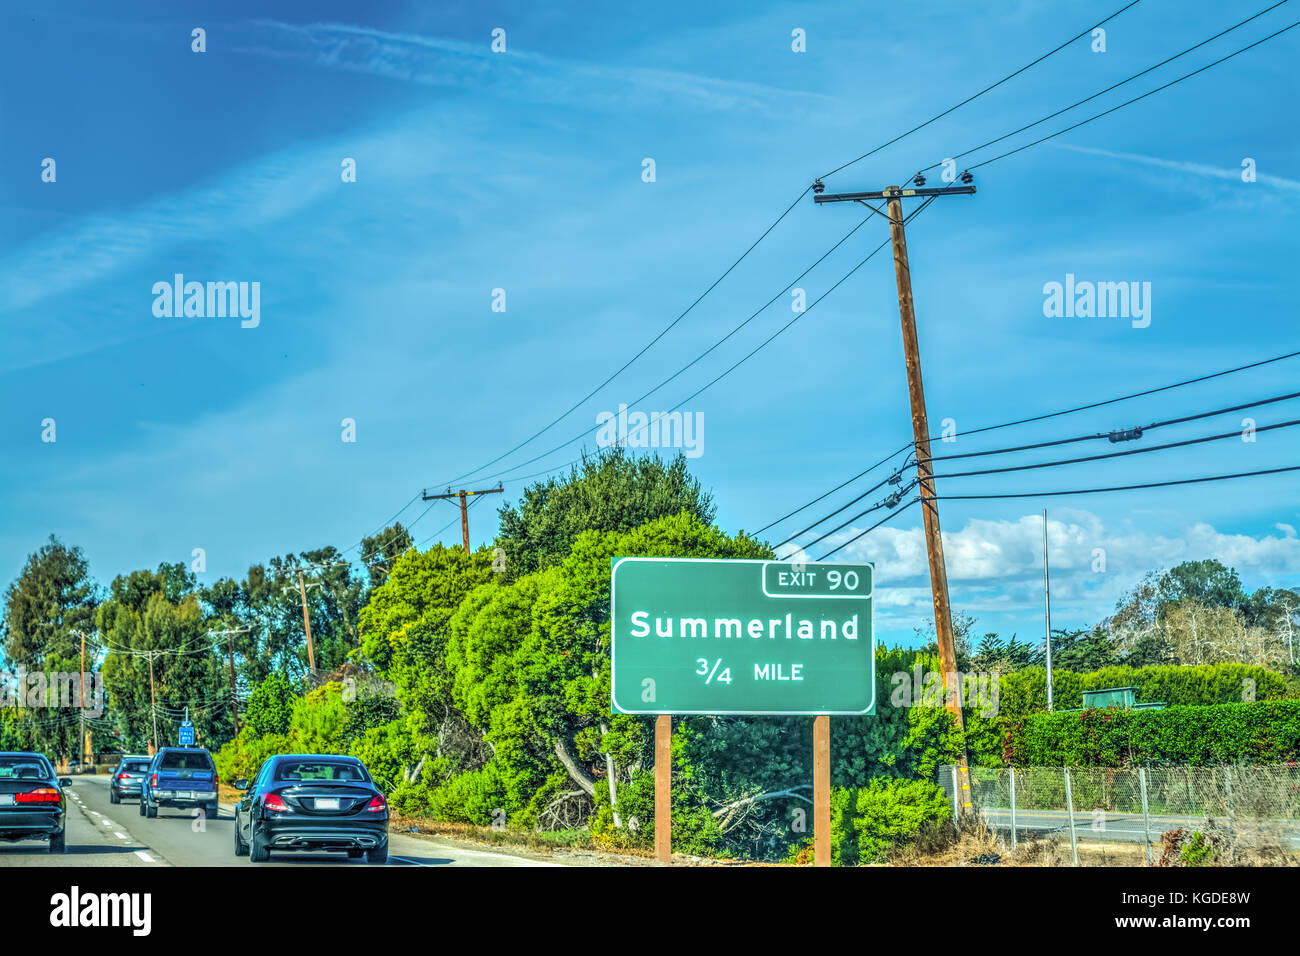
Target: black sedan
313	802
128	777
32	805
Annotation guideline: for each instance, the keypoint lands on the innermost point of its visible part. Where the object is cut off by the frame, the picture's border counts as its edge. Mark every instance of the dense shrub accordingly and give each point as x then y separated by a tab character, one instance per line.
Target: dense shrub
1260	733
889	814
870	823
1025	691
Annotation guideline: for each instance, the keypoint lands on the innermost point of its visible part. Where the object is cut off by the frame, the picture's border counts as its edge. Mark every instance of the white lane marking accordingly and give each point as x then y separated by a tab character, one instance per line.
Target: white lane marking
122	836
144	856
109	823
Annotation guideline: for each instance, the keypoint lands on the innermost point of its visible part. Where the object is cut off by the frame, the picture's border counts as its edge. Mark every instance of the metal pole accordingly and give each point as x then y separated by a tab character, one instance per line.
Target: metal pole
822	791
1013	809
1227	786
956	801
1146	815
664	788
1047	613
1069	806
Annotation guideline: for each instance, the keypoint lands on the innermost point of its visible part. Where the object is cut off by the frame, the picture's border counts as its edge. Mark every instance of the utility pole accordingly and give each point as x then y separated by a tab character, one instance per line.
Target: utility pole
464	506
153	707
920	426
306	623
230	639
1047	613
82	699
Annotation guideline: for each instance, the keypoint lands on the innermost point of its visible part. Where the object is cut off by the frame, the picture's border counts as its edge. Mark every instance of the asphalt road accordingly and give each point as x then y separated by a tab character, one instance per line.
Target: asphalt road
100	833
1113	827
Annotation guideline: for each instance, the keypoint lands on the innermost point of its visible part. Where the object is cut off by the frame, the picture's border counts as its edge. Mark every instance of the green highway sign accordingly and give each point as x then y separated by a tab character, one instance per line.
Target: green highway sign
715	636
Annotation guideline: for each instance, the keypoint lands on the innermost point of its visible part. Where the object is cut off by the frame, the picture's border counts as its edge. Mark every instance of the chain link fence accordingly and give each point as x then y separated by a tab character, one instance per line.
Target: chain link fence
1250	814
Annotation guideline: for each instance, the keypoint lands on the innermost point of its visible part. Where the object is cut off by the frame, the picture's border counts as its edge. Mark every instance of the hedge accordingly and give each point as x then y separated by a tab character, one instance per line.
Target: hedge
1025	691
1259	733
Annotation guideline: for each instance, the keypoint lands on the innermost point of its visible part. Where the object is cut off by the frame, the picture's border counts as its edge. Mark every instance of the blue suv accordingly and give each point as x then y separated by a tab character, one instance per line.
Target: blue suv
180	777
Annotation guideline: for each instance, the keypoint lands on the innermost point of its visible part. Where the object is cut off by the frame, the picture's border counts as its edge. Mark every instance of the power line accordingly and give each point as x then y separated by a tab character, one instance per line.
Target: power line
1093	491
1035	418
644	348
1077	491
843	507
889	517
791	514
1135	99
712	382
1123	435
771	227
986	89
1115	454
1114	86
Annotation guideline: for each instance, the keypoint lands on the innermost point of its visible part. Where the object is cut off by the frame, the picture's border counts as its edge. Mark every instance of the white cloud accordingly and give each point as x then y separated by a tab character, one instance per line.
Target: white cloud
442	62
997	566
1183	166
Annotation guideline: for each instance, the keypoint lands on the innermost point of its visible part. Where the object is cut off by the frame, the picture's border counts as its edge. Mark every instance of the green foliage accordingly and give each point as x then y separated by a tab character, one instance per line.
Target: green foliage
1260	733
317	722
1024	692
872	822
888	814
242	756
404	626
271	705
1197	851
612	492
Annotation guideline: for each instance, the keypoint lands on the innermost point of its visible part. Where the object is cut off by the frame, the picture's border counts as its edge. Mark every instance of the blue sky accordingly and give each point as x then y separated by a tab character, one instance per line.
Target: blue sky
522	171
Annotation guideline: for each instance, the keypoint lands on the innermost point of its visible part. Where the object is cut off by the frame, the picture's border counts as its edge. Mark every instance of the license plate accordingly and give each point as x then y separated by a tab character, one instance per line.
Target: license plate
327	803
6	799
187	795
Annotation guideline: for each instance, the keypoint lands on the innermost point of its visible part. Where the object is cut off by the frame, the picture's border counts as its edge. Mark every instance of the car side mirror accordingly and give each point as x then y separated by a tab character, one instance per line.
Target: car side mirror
240	784
65	781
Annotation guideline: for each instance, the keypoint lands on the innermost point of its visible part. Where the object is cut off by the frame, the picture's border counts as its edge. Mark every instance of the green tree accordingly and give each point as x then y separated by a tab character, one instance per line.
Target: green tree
613	491
270	706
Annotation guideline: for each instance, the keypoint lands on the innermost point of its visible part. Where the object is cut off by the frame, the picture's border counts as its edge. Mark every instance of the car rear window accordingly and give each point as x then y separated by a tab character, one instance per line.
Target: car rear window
135	765
326	770
24	768
186	760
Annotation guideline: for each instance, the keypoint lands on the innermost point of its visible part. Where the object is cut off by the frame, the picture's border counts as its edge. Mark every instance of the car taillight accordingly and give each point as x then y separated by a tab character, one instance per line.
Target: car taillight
39	795
377	805
153	781
123	776
273	802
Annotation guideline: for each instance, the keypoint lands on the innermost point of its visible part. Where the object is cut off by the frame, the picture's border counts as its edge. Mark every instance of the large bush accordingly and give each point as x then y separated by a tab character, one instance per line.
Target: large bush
1260	733
870	823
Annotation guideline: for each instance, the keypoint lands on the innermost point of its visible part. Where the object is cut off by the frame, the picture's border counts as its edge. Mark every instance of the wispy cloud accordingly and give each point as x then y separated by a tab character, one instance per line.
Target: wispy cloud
516	74
1183	166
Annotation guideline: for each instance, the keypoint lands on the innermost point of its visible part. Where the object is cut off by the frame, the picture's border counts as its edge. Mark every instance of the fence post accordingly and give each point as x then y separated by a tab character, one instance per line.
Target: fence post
1227	785
956	802
1013	809
1146	816
1069	806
